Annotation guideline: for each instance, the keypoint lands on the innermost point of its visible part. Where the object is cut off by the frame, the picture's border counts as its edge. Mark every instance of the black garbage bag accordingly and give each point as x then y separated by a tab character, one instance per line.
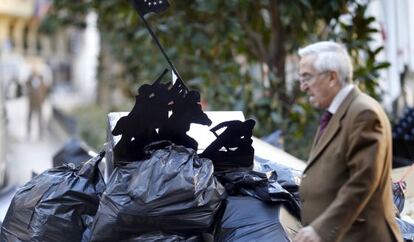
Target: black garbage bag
173	191
249	219
263	186
56	205
407	229
398	195
74	151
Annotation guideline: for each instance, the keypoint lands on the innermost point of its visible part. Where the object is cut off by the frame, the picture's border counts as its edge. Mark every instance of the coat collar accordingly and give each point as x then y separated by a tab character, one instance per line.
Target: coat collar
332	129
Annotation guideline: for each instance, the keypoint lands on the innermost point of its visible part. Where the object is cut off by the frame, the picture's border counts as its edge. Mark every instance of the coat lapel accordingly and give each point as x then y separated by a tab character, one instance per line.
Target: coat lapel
332	129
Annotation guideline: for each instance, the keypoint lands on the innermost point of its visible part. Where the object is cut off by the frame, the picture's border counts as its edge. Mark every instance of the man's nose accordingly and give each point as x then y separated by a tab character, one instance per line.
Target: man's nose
303	86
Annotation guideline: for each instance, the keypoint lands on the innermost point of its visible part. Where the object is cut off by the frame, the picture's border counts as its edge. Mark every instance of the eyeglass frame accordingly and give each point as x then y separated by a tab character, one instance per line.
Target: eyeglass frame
309	77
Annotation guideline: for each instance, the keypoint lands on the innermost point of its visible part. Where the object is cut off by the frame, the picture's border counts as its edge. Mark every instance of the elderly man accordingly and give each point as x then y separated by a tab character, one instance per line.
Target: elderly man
346	186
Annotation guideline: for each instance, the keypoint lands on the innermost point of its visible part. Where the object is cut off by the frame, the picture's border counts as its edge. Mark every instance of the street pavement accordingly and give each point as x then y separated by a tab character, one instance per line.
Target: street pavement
26	153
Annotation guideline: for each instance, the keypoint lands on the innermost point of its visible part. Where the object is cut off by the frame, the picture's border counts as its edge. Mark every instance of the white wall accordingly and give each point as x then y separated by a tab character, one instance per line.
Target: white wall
85	62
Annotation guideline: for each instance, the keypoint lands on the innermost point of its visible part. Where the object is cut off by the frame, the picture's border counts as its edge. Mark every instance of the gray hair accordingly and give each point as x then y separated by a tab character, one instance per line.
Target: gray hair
330	56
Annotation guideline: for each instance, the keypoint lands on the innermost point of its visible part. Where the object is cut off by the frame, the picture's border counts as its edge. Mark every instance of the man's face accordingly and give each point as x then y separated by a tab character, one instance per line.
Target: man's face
321	87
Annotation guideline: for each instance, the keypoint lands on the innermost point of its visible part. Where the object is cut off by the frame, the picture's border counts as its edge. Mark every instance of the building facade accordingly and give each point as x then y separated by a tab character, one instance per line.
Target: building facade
24	50
397	36
17	36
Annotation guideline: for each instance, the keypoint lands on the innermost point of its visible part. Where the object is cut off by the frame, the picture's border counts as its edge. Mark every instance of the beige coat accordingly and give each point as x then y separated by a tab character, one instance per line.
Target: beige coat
346	186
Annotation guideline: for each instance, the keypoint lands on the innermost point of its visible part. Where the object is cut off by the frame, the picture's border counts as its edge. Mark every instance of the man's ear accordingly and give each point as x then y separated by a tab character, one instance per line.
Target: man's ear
333	78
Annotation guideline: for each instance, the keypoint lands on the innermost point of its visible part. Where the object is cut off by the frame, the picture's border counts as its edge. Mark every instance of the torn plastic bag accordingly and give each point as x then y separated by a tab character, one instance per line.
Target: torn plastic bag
406	228
55	205
249	219
173	191
287	177
263	186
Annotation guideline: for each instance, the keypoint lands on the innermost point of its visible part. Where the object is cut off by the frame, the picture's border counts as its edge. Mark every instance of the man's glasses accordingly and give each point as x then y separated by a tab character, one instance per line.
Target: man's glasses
307	77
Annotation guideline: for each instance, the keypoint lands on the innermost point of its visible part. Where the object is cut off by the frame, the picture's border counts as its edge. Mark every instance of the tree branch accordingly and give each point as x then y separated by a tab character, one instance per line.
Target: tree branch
255	39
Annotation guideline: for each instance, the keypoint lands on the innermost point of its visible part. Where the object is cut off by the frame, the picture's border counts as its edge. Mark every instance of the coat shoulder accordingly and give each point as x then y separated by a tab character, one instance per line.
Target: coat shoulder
364	103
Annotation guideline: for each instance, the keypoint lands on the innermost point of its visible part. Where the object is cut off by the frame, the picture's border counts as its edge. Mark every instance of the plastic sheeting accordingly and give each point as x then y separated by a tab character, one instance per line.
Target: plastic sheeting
174	192
249	219
407	229
55	205
398	195
161	237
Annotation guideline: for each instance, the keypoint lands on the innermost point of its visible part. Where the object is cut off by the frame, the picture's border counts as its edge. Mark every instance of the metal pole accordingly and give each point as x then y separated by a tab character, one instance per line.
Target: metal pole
162	49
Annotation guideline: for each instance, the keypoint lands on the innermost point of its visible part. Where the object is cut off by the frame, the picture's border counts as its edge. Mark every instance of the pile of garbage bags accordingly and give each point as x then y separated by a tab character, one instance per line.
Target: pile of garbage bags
171	195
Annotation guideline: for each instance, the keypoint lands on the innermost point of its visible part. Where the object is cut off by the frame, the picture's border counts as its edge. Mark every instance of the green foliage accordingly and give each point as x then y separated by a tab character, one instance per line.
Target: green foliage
357	35
66	13
215	43
92	125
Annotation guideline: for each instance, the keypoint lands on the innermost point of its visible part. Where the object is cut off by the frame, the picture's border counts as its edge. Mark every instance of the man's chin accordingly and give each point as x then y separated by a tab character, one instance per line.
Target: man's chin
316	105
313	103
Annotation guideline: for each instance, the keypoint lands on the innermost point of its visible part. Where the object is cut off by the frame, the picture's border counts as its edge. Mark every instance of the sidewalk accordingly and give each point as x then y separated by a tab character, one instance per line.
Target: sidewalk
26	153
